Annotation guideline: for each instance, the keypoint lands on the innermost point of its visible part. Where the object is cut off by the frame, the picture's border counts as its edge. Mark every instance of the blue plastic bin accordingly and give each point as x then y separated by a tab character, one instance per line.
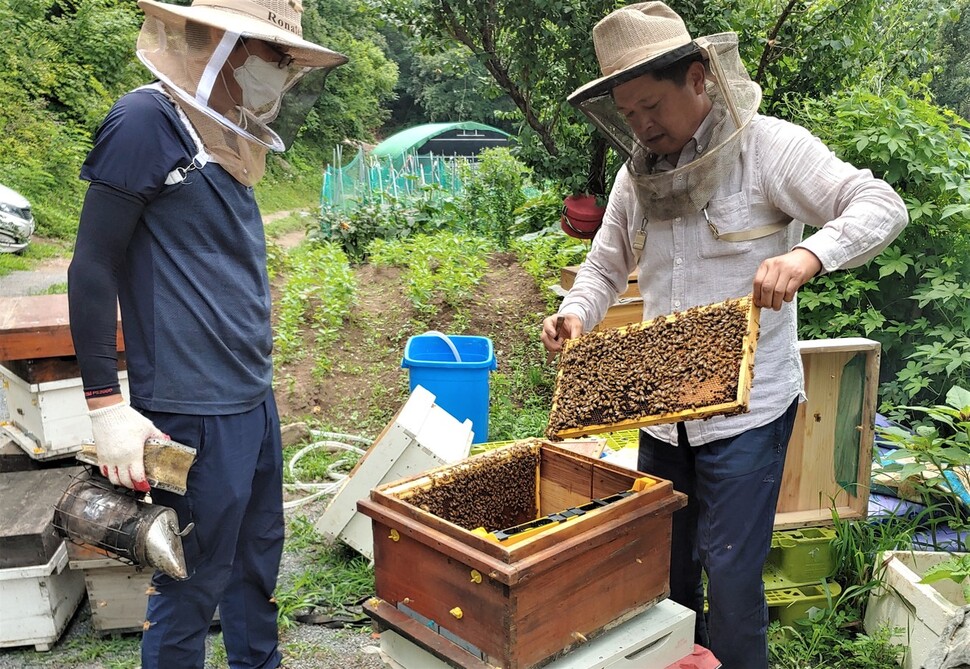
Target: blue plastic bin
456	374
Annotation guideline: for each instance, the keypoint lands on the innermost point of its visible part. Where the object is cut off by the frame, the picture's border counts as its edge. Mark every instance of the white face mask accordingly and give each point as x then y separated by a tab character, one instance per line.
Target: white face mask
261	83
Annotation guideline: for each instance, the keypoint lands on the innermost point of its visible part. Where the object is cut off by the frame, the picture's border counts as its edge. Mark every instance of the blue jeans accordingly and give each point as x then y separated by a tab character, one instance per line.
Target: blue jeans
732	487
235	499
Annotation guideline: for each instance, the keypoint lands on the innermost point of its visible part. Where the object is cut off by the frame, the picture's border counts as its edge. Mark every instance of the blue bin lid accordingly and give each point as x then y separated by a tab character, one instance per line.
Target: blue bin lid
431	350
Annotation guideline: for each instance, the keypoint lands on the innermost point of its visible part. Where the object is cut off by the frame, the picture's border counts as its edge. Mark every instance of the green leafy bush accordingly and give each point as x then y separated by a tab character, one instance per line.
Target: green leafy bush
915	297
440	269
493	191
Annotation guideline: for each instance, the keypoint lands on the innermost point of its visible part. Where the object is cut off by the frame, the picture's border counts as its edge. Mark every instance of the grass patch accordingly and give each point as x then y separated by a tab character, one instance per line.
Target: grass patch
335	579
39	250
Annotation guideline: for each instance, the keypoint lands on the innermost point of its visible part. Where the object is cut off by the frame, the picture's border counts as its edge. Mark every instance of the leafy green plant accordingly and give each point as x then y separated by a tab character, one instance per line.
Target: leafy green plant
924	456
317	295
914	298
956	568
493	191
827	640
543	254
440	270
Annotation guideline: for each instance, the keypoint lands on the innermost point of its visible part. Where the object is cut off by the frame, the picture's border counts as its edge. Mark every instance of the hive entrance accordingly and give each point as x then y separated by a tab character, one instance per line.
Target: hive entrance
691	364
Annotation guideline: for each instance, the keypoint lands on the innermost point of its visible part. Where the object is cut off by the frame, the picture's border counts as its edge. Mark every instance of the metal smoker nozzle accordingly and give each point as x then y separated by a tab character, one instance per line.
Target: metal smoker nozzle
163	545
91	511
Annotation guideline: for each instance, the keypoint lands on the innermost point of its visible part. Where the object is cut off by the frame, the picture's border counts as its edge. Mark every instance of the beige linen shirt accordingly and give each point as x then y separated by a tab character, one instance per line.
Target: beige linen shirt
784	174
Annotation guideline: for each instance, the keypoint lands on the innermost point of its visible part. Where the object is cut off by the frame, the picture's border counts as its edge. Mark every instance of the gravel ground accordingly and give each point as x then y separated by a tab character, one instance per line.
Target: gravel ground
35	281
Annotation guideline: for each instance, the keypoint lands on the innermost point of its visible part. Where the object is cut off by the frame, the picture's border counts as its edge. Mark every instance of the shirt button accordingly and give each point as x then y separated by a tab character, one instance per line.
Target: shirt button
699	148
678	261
677	219
677	303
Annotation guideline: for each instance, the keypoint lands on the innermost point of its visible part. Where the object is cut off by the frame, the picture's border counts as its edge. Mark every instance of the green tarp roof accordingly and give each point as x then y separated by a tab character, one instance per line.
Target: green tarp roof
414	137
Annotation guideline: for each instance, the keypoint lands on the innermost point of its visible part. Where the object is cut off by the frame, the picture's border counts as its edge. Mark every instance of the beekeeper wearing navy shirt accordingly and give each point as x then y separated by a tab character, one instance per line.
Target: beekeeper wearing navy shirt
171	230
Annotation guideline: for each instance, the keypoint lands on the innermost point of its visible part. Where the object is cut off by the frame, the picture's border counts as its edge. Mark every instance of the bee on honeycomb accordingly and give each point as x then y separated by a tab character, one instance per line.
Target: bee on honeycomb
685	362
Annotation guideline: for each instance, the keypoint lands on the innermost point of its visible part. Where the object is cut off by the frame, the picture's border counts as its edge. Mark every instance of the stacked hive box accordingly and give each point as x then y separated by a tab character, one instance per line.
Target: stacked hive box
450	547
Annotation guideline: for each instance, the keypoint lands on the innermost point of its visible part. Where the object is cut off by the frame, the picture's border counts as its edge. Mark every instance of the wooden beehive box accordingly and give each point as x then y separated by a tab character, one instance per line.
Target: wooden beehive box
37	326
567	277
829	457
517	602
688	365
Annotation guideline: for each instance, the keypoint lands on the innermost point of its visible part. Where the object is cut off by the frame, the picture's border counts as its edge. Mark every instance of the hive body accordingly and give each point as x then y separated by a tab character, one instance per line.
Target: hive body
519	603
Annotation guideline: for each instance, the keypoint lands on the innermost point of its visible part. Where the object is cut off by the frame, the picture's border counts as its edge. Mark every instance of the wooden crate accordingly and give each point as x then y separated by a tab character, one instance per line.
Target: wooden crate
830	453
517	605
117	592
567	276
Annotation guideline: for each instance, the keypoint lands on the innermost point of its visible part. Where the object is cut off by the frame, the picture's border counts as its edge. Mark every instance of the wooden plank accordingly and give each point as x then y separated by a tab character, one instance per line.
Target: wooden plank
37	326
563	483
627	312
386	616
44	370
567	277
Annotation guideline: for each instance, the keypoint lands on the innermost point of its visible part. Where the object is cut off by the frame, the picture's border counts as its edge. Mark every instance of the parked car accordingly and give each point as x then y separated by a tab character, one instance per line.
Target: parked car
16	221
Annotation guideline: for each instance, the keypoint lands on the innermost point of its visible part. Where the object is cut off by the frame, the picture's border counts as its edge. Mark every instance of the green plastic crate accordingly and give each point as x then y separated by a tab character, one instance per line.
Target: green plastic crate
802	556
788	605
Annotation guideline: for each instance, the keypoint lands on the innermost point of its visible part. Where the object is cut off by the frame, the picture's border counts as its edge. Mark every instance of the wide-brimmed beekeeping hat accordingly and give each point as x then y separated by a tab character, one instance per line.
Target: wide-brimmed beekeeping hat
642	38
634	40
276	21
188	49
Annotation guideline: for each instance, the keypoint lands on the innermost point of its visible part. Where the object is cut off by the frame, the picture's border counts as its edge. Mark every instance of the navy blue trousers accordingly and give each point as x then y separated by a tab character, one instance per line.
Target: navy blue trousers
235	499
732	488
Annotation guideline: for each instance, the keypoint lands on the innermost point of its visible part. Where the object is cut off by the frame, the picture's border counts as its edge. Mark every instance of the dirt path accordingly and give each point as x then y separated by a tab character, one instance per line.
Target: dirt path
53	271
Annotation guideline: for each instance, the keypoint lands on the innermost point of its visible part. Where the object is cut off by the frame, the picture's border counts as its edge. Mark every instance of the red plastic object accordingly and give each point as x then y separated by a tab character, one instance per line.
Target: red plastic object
581	216
701	658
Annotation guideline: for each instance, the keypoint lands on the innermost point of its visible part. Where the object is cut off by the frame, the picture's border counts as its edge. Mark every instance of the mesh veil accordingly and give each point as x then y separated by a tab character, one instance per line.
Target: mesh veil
687	189
188	59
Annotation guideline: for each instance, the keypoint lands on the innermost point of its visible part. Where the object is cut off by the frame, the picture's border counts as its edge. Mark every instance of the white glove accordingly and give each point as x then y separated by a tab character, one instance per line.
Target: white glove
120	433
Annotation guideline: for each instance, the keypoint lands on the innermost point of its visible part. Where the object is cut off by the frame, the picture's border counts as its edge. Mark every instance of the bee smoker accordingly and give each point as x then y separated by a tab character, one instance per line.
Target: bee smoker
92	511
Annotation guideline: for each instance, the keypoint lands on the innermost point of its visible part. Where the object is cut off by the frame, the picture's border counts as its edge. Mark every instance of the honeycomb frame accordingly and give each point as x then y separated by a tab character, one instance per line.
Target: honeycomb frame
602	384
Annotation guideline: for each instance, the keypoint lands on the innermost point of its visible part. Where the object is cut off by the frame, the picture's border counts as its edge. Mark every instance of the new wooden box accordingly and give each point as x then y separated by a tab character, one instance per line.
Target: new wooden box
829	457
38	326
516	603
567	277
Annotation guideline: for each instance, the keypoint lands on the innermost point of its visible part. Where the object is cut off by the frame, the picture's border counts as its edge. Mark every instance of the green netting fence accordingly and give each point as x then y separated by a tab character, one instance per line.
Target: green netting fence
369	178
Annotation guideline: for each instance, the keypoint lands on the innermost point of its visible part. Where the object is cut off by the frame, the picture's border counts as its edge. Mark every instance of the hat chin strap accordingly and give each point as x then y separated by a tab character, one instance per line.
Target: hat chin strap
216	62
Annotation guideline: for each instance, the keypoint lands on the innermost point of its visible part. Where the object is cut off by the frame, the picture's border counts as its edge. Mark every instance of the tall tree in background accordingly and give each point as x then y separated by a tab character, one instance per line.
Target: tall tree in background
952	84
441	86
537	52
